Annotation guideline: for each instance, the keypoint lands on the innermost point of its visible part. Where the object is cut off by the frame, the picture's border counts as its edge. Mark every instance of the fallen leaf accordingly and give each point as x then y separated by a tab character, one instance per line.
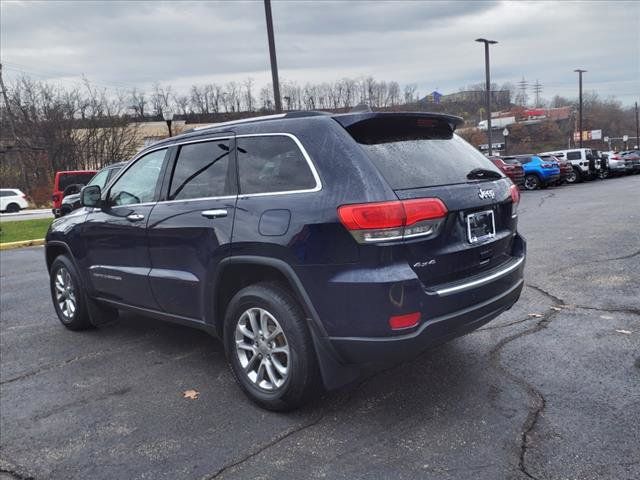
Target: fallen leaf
191	394
626	332
535	315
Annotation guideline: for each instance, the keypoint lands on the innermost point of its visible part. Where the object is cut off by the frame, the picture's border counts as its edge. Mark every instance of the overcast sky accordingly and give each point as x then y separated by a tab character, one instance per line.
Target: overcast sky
126	43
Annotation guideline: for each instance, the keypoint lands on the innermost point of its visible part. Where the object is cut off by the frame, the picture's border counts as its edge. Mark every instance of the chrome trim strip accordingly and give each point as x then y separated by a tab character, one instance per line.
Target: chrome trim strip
199	199
240	121
480	281
304	152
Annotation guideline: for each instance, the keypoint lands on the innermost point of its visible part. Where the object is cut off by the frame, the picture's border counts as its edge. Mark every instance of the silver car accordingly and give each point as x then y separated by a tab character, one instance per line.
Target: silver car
617	164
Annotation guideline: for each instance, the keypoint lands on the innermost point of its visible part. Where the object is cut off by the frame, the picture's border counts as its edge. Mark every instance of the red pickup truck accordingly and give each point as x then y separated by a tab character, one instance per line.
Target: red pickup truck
67	182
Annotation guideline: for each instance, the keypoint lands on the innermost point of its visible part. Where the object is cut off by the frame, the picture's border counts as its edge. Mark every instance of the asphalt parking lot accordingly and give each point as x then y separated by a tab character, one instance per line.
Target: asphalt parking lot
549	390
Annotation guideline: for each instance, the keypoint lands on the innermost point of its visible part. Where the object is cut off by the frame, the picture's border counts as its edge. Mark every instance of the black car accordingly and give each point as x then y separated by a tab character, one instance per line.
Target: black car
71	202
313	245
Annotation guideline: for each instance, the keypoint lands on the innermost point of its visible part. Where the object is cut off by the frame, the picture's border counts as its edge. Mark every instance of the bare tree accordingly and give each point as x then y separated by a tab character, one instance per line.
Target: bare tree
138	103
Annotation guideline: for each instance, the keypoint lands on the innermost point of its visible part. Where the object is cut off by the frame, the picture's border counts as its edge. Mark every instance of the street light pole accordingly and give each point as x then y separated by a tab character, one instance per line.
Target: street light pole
488	92
637	129
505	134
272	54
580	72
168	117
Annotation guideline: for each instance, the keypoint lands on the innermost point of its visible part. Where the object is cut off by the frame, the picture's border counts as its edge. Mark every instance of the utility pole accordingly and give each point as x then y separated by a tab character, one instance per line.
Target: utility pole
488	90
537	89
522	100
637	129
580	72
272	54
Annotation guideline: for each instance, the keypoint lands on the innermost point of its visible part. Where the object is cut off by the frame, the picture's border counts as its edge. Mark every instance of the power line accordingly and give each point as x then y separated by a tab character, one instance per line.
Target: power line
82	82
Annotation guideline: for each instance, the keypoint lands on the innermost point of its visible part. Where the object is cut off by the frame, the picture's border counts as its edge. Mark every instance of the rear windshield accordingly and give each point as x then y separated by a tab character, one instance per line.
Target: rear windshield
413	163
81	178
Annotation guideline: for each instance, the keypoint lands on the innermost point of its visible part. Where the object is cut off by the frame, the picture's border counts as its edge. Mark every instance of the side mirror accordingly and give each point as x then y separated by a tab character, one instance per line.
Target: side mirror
90	196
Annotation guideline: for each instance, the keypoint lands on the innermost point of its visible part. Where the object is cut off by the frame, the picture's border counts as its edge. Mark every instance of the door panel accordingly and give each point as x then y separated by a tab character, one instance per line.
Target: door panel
115	236
190	232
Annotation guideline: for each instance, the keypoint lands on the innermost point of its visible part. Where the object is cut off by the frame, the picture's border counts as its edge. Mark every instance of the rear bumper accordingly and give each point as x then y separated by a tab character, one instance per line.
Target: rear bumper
462	307
374	350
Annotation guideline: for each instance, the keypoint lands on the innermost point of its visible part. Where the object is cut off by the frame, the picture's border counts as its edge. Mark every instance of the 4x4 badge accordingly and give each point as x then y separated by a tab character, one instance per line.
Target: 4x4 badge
486	194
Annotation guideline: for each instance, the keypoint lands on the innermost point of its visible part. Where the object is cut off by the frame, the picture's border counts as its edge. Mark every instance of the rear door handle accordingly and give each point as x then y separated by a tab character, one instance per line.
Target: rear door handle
135	217
214	213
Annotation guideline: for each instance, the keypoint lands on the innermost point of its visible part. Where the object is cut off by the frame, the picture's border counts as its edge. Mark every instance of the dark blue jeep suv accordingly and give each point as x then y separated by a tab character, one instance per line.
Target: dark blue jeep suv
315	246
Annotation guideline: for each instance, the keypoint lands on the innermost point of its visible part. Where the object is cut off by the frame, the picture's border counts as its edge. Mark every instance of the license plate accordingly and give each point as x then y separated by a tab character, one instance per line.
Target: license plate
481	226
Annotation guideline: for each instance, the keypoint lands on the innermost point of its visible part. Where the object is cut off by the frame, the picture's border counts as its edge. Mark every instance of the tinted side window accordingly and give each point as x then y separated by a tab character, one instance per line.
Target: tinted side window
81	178
7	194
100	178
272	164
138	184
575	155
202	170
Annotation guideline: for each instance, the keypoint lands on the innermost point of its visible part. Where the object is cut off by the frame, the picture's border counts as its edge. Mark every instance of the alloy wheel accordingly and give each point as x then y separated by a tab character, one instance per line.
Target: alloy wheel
65	294
531	183
262	349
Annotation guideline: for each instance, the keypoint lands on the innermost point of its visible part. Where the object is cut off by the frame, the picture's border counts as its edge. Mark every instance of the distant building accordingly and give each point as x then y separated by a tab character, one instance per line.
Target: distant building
498	98
433	97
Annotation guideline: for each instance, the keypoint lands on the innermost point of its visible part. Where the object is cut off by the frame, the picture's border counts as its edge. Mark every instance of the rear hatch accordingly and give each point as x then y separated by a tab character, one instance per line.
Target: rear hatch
421	158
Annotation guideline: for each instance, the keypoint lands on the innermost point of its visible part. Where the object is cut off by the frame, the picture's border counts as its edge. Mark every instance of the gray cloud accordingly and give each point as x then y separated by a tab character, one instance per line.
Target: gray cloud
428	43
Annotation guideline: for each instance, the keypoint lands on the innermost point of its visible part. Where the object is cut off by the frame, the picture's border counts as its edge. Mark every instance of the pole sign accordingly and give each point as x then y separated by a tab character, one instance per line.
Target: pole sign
588	135
494	146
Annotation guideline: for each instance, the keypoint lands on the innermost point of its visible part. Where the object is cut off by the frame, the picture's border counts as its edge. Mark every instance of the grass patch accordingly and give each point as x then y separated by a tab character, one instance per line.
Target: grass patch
24	230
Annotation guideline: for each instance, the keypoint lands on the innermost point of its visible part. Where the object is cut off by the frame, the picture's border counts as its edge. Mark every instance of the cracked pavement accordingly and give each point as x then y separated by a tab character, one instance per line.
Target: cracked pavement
555	395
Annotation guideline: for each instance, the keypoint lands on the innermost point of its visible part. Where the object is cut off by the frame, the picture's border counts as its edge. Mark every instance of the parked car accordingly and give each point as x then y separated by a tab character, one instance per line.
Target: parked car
66	183
537	173
12	200
584	164
313	245
634	156
512	169
72	202
566	168
616	165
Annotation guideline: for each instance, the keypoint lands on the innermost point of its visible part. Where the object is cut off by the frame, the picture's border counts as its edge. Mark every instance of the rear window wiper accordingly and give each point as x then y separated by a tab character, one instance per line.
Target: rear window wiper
483	174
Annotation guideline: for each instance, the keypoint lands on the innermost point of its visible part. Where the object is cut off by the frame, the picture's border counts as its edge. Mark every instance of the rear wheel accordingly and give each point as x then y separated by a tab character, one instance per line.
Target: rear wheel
269	347
68	294
13	207
531	182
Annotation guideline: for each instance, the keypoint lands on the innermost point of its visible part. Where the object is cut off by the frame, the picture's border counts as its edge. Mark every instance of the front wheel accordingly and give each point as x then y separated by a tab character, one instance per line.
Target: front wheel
68	295
531	182
269	347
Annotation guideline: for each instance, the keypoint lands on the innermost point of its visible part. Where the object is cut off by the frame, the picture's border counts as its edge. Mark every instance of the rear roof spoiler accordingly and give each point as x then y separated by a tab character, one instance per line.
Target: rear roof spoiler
349	119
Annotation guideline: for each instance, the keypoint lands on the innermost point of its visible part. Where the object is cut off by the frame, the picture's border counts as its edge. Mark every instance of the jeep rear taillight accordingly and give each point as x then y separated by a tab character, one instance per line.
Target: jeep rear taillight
394	220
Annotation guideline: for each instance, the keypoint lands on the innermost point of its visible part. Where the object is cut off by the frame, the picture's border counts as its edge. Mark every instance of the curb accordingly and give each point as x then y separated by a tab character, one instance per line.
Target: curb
22	243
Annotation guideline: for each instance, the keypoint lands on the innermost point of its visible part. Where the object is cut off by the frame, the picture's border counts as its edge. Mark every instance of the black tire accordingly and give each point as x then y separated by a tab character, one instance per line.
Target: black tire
78	319
604	173
302	375
573	177
13	208
532	182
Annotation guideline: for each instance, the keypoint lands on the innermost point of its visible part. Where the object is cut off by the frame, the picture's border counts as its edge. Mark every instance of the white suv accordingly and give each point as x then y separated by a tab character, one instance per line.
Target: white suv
12	200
